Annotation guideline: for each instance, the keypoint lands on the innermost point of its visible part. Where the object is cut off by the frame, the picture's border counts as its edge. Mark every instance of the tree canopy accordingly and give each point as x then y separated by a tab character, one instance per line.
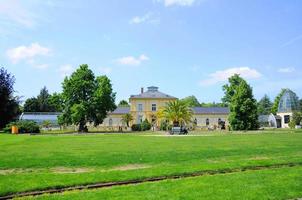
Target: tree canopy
243	105
44	102
9	104
176	112
86	98
123	103
191	101
265	106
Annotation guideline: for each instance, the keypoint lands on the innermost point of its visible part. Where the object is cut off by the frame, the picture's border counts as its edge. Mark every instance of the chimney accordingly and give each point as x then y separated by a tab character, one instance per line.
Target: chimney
142	90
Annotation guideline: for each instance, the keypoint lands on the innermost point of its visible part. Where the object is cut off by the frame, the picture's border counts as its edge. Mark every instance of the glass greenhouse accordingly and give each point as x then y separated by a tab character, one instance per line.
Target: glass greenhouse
289	102
41	117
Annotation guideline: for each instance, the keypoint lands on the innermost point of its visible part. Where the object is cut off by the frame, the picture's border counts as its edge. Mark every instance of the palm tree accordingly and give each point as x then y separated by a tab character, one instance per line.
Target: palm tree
176	112
127	118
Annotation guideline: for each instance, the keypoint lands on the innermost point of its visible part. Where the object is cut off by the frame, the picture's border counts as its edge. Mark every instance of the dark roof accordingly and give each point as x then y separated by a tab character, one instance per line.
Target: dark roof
121	110
152	93
210	110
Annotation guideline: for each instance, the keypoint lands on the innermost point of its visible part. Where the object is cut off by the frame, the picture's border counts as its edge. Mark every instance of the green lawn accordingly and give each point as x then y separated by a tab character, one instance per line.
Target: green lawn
40	162
266	184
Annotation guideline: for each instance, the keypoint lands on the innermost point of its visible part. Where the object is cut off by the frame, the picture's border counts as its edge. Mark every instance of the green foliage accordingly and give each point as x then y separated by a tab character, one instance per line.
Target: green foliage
213	104
127	118
145	125
23	126
46	123
123	103
86	98
276	101
191	101
264	106
295	120
243	106
136	127
9	105
176	112
44	102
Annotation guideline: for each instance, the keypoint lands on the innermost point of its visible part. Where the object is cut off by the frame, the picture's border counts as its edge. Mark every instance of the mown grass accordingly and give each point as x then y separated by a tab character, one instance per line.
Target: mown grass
34	157
282	183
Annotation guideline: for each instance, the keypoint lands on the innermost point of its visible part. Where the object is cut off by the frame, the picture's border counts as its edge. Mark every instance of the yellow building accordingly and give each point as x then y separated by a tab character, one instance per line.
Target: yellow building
147	103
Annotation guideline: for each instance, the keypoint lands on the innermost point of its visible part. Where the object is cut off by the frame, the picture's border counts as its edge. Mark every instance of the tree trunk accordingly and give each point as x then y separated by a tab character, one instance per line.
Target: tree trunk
82	127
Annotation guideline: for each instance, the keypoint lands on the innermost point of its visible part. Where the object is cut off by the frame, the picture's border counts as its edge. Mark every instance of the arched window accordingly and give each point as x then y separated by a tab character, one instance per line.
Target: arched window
110	122
207	122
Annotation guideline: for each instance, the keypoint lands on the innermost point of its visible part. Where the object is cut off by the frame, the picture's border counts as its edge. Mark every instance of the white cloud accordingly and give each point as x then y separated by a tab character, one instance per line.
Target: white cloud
147	18
286	70
105	70
27	53
130	60
14	12
168	3
66	70
223	75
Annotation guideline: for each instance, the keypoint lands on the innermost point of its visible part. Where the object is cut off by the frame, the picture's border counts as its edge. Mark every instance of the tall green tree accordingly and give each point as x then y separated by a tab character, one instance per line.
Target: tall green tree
9	104
86	98
191	101
276	101
31	105
44	102
243	105
55	102
123	103
176	112
264	106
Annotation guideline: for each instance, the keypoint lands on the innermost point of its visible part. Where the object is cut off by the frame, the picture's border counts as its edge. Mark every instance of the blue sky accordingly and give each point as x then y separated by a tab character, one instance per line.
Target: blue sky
186	47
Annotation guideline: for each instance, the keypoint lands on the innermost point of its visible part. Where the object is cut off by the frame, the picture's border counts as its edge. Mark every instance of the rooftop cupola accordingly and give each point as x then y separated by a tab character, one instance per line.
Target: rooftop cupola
152	89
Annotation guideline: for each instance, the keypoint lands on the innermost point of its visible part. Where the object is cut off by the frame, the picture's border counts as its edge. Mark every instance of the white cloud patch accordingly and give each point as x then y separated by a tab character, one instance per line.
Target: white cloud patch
286	70
12	11
132	61
105	70
66	70
168	3
27	53
223	75
41	66
150	18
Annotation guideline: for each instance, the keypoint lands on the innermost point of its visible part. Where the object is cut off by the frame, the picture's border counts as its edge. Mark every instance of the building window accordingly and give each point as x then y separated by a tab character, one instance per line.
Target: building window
207	122
286	119
140	107
195	121
110	122
219	121
153	107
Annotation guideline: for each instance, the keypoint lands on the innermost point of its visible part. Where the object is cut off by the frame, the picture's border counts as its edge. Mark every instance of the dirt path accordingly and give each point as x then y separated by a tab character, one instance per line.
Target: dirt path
151	179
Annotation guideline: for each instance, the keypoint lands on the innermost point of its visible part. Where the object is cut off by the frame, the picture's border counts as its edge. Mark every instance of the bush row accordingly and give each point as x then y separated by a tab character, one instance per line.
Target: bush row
23	126
144	126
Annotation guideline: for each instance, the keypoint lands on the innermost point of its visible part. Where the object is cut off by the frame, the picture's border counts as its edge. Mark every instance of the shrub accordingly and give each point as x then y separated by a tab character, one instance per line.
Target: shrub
163	126
145	126
23	126
295	120
136	127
